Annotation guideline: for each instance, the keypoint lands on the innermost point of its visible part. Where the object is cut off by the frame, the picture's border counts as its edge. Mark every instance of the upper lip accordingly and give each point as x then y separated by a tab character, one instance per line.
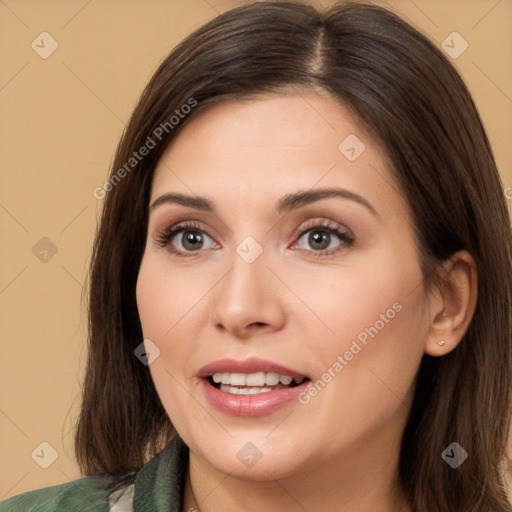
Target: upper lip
250	365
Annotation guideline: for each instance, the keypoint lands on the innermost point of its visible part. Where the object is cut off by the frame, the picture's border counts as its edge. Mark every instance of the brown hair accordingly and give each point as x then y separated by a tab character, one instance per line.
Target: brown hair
413	102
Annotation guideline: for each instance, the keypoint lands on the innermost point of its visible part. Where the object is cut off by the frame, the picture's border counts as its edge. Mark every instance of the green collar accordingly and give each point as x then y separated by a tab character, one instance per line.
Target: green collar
160	484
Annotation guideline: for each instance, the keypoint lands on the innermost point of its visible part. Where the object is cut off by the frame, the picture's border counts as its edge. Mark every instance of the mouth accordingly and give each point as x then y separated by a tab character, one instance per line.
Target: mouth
253	387
253	383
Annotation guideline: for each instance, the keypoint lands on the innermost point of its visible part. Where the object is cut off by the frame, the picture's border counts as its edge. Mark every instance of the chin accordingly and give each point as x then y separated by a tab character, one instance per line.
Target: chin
250	457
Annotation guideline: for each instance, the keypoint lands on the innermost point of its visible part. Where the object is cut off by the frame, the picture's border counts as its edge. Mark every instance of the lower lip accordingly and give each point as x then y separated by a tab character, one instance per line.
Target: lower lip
251	405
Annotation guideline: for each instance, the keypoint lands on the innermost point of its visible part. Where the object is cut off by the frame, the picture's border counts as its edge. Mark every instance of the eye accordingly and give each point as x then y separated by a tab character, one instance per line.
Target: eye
186	237
323	238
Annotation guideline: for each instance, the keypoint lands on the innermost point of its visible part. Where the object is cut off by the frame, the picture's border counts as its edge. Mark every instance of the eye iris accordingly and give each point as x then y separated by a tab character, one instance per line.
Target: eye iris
192	238
319	237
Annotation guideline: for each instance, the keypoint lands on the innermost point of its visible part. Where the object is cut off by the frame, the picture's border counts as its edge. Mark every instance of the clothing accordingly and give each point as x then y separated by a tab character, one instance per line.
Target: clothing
158	487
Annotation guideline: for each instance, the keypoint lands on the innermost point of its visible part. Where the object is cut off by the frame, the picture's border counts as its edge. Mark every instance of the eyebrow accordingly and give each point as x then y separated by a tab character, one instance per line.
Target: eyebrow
286	204
293	201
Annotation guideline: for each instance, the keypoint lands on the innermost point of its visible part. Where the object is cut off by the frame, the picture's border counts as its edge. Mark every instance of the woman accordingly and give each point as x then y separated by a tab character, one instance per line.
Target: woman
300	292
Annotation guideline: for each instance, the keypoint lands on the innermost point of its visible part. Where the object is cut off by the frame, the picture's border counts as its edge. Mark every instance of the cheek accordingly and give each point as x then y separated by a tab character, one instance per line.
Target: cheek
365	367
368	335
166	300
173	307
373	300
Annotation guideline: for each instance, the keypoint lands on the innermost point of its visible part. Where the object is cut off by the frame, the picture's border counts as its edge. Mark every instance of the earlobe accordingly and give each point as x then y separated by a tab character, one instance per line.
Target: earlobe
452	305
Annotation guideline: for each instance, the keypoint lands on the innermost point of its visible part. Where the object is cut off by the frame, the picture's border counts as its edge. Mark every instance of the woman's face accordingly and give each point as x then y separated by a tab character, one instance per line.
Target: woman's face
293	259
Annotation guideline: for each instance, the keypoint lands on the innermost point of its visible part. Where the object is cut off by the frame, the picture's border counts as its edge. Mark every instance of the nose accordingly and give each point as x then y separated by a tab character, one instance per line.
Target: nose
248	301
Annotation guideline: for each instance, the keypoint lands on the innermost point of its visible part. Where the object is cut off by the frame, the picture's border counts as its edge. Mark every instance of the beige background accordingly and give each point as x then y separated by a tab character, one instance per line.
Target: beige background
61	120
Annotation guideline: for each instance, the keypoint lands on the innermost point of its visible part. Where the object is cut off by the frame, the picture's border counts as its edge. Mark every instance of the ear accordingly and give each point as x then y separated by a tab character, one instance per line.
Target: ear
452	304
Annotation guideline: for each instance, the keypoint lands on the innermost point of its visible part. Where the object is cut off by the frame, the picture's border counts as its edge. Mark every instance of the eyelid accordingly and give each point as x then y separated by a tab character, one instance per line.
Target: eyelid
322	222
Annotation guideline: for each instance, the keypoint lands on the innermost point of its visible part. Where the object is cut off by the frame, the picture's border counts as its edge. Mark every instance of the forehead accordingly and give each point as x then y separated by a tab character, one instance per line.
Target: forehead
258	149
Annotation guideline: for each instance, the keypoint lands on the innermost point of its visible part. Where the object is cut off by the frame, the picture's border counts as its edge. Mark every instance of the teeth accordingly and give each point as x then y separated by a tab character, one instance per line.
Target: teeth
237	379
224	378
271	379
243	391
254	380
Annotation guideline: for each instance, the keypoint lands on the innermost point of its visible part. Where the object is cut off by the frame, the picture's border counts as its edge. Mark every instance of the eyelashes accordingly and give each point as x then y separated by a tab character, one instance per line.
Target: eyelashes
327	228
320	232
166	237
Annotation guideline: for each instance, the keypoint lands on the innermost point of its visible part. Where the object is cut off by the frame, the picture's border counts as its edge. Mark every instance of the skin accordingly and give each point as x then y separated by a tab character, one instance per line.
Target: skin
292	305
